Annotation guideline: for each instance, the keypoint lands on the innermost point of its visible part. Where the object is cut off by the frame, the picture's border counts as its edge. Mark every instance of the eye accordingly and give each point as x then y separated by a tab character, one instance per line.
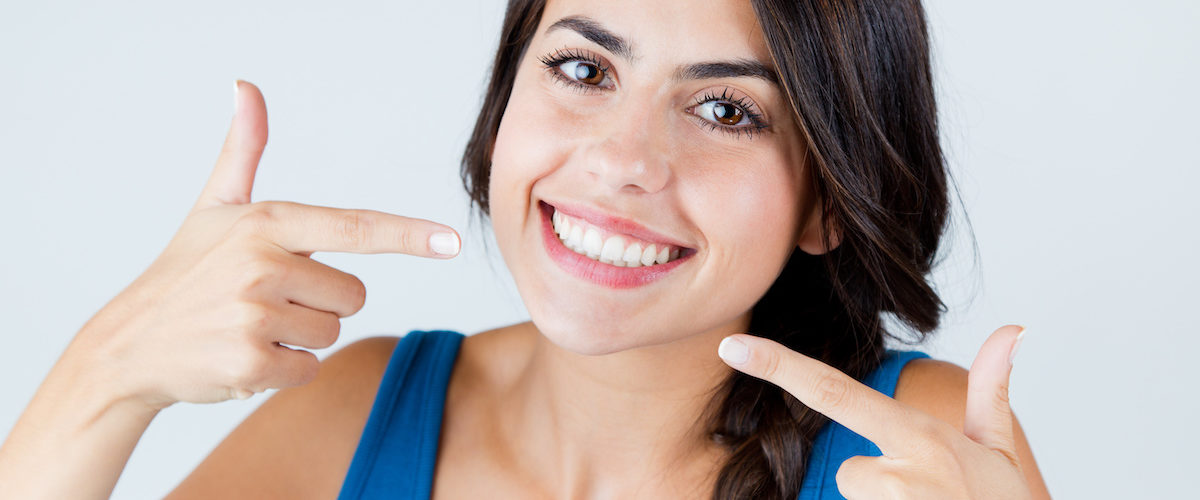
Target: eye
723	112
578	69
729	113
585	72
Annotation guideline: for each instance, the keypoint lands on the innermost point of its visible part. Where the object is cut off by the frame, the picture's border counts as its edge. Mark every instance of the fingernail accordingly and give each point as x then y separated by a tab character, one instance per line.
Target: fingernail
235	95
444	243
1013	353
733	351
243	394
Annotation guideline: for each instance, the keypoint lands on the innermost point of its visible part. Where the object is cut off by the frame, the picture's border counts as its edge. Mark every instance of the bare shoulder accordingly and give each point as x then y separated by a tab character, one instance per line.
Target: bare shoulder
299	443
936	387
939	388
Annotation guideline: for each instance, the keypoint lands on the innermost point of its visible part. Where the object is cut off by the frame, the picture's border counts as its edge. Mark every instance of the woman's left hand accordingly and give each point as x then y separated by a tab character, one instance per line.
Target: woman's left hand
923	457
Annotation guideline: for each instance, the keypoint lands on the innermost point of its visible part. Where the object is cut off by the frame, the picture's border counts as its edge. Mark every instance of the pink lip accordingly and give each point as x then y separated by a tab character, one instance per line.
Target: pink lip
599	272
613	224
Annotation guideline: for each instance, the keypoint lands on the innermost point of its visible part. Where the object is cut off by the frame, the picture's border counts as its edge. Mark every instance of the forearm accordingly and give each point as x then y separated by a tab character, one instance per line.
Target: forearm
74	438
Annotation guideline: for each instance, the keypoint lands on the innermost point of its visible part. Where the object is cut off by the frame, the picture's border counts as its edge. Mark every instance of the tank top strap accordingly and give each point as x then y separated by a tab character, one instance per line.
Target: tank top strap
397	452
835	443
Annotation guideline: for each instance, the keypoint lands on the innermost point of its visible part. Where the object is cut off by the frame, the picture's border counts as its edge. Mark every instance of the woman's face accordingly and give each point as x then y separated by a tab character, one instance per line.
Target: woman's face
646	124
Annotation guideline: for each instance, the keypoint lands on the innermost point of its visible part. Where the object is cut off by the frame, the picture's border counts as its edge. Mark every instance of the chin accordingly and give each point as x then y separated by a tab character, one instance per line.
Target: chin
585	337
579	339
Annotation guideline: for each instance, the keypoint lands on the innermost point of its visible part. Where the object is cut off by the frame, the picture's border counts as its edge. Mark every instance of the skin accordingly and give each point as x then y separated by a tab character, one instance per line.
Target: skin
598	395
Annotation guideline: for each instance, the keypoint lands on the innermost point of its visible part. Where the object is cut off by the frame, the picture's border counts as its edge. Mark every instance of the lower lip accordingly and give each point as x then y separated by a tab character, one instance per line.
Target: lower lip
595	271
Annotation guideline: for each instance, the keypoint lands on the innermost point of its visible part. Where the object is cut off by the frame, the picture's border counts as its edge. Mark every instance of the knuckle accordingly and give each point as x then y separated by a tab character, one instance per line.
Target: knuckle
772	365
832	390
1001	400
930	429
256	217
251	370
937	432
938	440
942	452
252	317
409	240
260	272
353	227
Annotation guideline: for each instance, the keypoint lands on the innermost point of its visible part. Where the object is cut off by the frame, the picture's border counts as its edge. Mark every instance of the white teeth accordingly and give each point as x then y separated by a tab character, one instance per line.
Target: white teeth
592	244
587	240
648	256
563	228
661	258
633	255
613	250
575	239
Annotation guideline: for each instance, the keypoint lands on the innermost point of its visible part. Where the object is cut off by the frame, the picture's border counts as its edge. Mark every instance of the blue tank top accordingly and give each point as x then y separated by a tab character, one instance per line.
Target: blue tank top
397	452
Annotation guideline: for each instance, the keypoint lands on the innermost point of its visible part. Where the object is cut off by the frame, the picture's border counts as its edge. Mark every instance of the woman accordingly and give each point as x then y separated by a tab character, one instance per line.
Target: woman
661	180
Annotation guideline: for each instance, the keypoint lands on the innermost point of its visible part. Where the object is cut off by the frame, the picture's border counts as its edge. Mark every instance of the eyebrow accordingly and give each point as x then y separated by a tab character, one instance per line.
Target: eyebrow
592	30
614	43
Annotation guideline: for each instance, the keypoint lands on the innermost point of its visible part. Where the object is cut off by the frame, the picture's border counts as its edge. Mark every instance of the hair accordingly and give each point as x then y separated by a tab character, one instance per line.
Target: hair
857	76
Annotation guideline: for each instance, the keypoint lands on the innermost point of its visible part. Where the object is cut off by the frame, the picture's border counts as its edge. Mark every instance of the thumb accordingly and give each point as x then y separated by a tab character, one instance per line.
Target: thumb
233	177
989	419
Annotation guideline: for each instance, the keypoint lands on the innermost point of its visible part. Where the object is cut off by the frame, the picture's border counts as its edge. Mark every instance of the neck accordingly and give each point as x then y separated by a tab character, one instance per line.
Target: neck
597	426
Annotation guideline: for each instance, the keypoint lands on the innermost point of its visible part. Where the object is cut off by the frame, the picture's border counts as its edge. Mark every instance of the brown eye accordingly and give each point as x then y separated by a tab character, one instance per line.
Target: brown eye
584	72
727	113
588	73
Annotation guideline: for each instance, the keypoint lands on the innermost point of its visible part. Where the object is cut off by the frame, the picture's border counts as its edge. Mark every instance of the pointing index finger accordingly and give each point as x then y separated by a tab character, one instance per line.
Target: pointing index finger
300	228
869	413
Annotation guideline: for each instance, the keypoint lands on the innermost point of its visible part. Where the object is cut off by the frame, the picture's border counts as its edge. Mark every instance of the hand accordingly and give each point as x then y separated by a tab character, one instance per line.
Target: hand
204	323
923	457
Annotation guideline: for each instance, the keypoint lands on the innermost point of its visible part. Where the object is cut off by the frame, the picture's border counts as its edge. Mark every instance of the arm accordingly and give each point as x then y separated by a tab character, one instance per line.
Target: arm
212	318
300	442
74	438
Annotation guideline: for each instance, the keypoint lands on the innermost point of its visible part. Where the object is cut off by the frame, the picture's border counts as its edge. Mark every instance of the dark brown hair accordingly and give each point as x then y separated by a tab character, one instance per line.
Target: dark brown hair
857	75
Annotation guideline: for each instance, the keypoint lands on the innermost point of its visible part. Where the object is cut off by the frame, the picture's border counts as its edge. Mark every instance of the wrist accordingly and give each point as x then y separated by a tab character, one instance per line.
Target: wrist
92	374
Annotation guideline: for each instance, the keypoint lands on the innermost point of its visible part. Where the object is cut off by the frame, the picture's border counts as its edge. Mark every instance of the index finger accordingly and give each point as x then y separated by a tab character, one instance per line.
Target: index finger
869	413
300	228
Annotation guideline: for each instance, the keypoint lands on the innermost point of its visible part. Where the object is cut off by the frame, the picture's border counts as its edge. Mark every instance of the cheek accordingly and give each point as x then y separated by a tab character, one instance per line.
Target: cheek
528	146
756	219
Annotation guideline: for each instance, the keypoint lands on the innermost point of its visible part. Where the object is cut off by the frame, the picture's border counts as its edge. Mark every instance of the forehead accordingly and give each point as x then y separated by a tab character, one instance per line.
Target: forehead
670	30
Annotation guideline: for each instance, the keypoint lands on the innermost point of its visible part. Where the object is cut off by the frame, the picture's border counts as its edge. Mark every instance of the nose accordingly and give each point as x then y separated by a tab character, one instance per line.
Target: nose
625	156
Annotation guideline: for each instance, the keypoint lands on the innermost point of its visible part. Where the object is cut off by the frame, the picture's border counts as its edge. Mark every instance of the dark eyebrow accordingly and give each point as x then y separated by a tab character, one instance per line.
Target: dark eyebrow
728	69
593	31
598	34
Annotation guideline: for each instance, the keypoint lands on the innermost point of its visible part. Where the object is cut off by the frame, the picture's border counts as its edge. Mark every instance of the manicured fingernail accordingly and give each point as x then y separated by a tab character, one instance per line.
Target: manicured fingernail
733	351
444	243
1013	353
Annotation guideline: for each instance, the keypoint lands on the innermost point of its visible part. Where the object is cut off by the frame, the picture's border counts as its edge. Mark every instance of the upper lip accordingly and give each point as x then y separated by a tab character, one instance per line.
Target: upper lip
612	223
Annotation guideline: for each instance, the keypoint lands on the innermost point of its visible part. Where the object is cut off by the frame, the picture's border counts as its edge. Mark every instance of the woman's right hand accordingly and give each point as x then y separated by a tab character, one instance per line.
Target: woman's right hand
205	321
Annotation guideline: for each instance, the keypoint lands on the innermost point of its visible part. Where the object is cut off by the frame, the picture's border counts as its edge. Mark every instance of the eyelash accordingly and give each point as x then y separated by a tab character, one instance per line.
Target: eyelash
561	56
757	123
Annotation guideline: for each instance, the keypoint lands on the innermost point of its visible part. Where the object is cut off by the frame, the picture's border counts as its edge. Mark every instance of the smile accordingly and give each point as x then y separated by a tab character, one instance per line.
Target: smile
607	255
615	249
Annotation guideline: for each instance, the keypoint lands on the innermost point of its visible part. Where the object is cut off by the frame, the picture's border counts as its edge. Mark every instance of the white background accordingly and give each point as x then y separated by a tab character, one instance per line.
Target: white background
1070	126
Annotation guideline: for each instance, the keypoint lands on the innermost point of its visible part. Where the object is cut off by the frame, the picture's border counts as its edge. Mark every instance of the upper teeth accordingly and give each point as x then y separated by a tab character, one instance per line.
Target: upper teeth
618	250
